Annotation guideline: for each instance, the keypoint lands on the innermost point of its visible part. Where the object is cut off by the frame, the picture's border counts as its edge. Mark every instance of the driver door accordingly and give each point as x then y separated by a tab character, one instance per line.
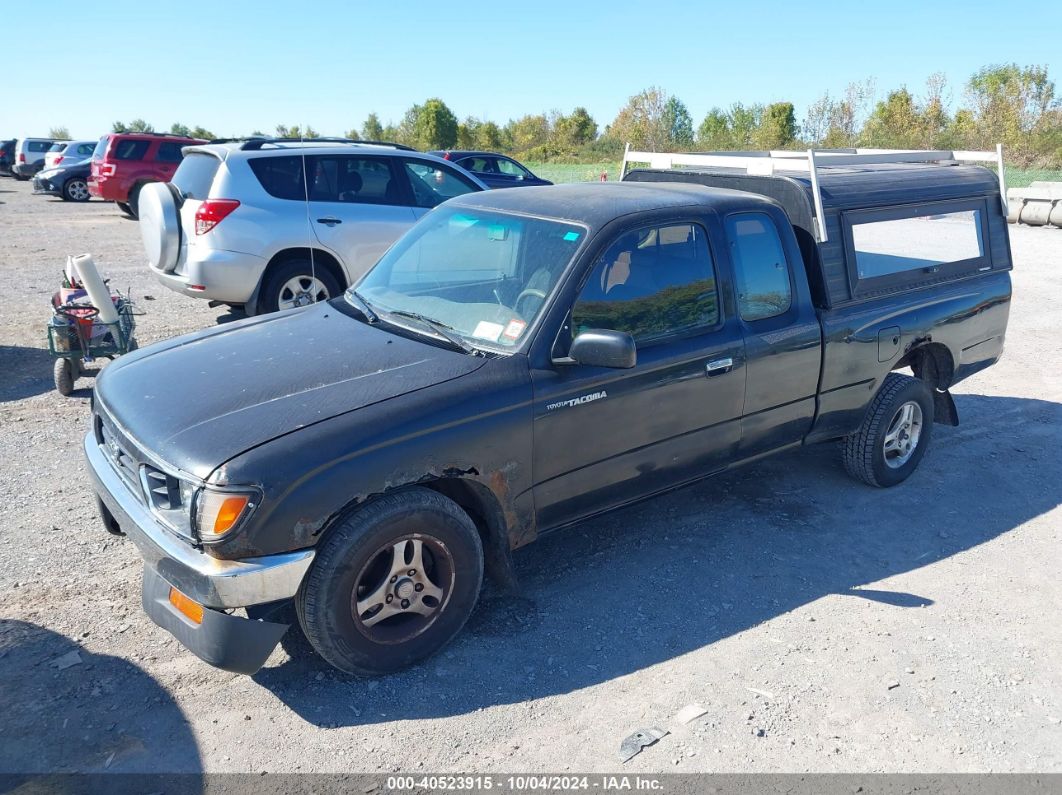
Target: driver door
604	437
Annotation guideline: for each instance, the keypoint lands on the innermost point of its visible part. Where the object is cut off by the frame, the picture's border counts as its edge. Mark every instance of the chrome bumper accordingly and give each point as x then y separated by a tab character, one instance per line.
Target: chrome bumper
219	584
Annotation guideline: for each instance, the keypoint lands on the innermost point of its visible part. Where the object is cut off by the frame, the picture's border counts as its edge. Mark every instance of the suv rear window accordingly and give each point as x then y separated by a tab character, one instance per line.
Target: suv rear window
280	176
131	150
195	175
39	146
58	147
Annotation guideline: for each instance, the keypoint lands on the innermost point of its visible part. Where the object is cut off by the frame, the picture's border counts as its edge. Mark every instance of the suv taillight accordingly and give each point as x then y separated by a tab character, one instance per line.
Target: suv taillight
58	160
22	157
107	169
212	212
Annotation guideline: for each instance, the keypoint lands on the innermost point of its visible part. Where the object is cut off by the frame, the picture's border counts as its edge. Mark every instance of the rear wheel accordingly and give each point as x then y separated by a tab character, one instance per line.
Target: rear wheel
894	435
76	190
295	283
134	201
392	583
125	208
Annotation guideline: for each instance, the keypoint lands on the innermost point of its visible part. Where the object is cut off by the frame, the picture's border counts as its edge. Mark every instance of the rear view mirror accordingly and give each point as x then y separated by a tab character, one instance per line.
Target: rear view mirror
604	348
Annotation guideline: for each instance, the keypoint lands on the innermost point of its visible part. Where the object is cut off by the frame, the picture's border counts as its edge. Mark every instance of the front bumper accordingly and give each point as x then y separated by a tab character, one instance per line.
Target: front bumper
221	639
42	187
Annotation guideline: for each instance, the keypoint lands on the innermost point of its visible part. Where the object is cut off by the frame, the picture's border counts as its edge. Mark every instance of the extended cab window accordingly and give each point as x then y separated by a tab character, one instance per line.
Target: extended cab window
651	283
761	274
433	184
899	245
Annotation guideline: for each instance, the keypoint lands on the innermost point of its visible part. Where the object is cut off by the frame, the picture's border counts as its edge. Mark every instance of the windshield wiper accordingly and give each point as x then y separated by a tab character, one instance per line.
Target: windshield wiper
365	307
449	333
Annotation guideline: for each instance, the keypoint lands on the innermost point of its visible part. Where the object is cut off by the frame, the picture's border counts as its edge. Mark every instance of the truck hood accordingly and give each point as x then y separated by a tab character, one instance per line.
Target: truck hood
198	400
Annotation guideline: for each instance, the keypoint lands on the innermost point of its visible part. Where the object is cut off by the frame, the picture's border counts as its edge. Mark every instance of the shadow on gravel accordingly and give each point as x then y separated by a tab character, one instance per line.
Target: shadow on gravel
623	592
24	372
66	710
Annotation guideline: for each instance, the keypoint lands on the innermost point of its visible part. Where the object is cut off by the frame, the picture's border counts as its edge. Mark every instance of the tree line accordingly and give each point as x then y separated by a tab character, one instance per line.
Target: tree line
1008	104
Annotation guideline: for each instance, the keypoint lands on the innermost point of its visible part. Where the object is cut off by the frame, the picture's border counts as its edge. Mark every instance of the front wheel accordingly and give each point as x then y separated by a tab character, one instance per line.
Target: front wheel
76	190
894	435
125	208
392	584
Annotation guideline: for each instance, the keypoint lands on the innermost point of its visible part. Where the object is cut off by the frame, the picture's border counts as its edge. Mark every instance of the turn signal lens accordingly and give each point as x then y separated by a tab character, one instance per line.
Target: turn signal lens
219	511
191	610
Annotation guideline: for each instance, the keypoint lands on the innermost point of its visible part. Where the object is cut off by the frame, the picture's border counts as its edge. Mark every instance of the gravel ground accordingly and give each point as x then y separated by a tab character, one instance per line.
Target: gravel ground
823	625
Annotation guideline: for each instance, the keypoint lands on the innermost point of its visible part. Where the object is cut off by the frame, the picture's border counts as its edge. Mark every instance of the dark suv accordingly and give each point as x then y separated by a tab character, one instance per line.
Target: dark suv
124	162
7	156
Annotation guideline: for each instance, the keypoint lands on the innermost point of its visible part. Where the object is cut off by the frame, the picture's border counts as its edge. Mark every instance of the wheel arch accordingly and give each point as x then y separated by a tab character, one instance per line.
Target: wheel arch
931	362
320	256
473	497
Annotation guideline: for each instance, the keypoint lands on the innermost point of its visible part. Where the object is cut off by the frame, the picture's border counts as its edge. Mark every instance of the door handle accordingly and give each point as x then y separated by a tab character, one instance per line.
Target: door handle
329	221
719	366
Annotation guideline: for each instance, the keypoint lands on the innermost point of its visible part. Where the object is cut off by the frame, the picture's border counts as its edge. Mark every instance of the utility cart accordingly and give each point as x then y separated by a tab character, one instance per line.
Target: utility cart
76	336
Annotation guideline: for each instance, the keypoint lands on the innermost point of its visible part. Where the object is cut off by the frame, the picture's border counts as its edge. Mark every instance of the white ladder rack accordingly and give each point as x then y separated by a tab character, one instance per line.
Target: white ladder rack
767	163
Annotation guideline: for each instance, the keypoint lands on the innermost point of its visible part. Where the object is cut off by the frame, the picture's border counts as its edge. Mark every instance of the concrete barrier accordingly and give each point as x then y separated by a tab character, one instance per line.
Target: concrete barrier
1040	204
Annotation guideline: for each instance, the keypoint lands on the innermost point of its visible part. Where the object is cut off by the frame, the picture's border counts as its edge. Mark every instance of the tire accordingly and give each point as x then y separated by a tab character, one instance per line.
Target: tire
276	287
75	190
20	178
134	200
358	554
125	209
64	373
865	455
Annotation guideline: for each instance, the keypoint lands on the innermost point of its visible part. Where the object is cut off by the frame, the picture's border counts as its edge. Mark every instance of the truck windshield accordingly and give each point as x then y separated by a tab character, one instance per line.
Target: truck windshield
482	274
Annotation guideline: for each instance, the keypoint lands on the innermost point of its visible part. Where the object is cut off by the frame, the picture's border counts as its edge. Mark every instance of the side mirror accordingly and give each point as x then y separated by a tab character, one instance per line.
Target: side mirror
604	348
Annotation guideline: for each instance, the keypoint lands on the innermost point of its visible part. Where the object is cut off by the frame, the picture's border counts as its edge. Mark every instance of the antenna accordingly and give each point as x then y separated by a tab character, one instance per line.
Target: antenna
309	222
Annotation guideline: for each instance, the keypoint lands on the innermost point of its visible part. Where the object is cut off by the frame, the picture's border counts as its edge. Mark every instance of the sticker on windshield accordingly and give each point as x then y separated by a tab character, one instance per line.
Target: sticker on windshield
514	329
571	237
485	330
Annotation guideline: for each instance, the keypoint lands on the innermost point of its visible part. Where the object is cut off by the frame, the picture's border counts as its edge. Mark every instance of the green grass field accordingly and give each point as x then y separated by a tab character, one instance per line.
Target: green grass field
591	172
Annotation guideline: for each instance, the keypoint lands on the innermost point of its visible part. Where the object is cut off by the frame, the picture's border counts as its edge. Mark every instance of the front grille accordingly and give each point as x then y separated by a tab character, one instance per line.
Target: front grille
119	456
163	490
157	489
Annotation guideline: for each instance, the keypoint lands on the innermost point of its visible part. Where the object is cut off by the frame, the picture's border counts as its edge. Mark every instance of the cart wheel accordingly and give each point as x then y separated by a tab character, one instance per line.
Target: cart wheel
64	376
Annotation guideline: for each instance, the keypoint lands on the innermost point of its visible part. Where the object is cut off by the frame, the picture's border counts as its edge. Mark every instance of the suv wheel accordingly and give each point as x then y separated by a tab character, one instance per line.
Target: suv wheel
392	584
133	207
295	283
894	435
124	208
76	190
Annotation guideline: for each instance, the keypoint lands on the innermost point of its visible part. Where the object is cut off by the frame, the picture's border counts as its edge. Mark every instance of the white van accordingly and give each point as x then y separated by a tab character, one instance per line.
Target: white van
29	156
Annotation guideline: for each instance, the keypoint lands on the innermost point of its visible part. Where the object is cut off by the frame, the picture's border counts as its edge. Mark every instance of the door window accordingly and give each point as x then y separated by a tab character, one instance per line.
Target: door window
434	183
85	149
761	273
512	169
651	283
478	164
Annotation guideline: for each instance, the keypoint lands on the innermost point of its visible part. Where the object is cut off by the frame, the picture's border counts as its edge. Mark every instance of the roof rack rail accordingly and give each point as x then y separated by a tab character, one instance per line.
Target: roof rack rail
159	134
257	142
810	161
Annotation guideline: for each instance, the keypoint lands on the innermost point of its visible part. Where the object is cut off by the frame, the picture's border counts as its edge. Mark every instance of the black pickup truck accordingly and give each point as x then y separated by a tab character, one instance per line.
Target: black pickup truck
521	360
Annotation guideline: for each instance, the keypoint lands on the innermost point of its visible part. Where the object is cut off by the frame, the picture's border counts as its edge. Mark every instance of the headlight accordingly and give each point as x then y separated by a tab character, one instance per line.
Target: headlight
219	512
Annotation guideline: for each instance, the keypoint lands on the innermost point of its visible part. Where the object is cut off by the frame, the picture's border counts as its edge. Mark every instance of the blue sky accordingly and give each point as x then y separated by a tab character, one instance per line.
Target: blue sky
237	66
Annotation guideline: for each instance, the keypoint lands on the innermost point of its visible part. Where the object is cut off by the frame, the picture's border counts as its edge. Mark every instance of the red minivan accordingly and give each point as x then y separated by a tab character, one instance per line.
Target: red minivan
123	163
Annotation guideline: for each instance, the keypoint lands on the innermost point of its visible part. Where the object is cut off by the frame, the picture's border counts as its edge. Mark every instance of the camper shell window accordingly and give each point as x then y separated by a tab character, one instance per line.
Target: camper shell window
896	246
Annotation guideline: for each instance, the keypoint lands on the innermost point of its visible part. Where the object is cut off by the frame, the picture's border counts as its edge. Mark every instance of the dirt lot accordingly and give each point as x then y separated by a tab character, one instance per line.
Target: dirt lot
824	625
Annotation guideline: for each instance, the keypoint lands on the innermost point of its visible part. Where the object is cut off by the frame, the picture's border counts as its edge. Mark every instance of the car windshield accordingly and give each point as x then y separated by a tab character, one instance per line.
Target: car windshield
482	274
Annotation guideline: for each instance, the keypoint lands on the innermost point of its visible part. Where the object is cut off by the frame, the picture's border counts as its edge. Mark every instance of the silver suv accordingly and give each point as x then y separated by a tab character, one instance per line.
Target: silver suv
268	224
